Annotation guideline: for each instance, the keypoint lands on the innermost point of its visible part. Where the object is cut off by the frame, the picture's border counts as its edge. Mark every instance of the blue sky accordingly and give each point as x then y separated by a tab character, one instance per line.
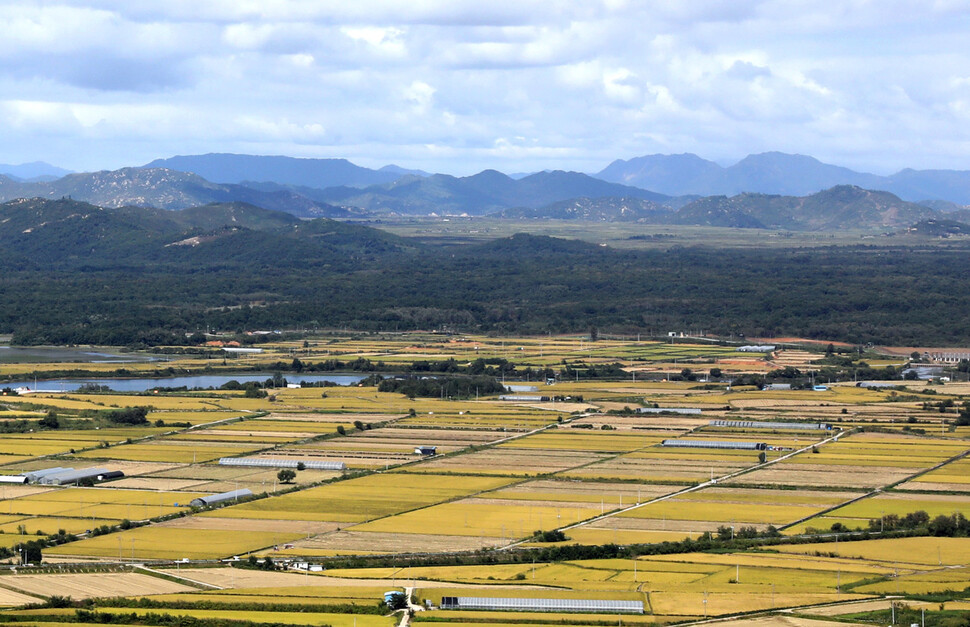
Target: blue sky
458	86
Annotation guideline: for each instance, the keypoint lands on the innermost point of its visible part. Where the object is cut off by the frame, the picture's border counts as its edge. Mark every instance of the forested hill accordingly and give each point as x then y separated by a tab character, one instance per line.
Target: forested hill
67	234
75	273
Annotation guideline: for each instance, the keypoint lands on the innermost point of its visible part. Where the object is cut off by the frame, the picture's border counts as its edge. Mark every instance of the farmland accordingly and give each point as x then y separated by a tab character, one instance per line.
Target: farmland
580	462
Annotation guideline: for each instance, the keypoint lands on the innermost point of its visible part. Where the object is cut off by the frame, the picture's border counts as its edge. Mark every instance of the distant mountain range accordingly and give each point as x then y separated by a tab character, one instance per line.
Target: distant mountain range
841	207
770	190
35	171
316	173
779	173
164	189
482	193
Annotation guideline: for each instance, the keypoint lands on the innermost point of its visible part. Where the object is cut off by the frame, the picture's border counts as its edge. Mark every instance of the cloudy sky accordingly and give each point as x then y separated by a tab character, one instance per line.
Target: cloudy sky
460	85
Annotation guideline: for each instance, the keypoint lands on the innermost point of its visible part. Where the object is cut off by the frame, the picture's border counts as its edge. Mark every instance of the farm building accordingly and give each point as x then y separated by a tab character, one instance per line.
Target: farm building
426	450
737	446
777	387
269	462
541	605
111	474
692	411
13	479
756	348
524	397
750	424
233	495
36	475
70	475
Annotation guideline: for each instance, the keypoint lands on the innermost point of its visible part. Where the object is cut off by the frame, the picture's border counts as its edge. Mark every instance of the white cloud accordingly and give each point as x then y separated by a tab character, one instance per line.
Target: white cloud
459	85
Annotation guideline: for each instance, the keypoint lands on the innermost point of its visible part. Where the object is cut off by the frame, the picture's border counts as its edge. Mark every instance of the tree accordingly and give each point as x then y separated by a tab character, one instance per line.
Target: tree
286	475
716	373
300	466
49	421
129	416
30	552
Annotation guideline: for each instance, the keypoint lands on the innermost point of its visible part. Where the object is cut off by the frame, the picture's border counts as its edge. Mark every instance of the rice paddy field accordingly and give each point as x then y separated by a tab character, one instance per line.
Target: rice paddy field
503	470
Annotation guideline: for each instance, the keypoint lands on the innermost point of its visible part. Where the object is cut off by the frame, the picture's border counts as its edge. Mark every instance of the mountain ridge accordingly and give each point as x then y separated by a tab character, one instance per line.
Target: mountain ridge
779	173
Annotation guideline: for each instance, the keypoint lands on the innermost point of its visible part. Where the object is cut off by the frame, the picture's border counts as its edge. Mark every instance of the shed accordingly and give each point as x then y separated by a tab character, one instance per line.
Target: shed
426	450
73	476
754	424
13	479
111	474
270	462
35	476
205	501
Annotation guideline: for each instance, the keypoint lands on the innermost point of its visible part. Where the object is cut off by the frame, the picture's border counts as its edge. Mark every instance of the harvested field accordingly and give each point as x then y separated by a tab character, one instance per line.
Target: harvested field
677	471
9	598
248	524
810	475
13	491
583	440
507	461
157	483
100	585
579	491
350	542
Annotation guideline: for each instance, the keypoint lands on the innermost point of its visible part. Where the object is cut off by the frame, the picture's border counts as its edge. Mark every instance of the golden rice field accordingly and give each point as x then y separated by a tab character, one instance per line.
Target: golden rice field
178	451
102	585
291	618
481	517
46	525
902	551
901	504
172	543
364	498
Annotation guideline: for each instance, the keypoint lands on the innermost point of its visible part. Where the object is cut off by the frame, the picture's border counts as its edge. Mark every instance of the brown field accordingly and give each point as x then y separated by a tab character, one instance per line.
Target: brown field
824	475
349	542
250	524
91	586
10	598
586	491
13	490
508	461
157	483
634	466
244	578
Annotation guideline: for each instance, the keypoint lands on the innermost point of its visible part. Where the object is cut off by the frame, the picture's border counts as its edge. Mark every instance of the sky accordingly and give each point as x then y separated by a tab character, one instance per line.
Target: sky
457	86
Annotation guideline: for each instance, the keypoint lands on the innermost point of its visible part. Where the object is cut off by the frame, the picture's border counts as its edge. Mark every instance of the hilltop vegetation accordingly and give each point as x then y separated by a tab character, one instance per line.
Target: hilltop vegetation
76	273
